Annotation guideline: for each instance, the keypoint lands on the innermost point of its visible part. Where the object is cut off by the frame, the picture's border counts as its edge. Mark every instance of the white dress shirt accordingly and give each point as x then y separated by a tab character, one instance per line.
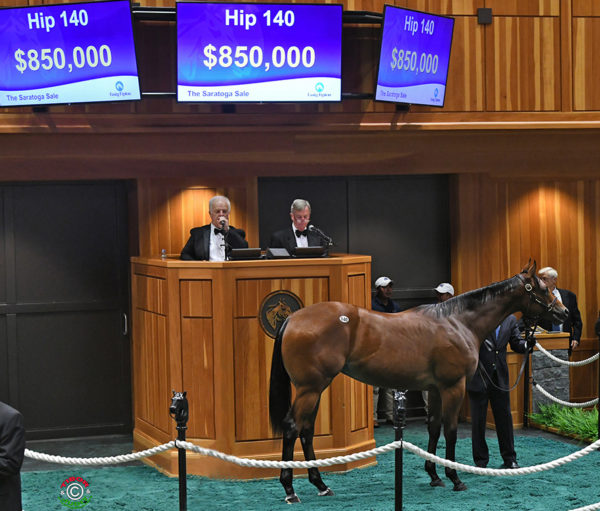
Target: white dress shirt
301	241
217	245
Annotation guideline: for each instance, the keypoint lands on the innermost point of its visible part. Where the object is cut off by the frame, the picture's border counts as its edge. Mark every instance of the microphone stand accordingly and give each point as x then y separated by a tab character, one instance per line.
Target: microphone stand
321	234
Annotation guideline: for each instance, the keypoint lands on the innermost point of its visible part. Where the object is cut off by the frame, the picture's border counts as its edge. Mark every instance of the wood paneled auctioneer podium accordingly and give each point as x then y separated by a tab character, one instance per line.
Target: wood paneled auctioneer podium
204	327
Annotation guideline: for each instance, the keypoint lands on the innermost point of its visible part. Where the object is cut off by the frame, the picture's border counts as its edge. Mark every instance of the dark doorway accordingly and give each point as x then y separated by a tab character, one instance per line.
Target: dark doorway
64	296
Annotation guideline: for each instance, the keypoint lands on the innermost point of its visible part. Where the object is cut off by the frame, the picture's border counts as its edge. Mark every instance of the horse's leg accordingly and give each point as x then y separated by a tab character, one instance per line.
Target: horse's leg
314	476
306	412
290	433
451	400
434	426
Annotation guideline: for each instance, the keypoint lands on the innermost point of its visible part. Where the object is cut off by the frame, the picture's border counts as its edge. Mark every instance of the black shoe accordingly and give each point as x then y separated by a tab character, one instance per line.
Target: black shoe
512	464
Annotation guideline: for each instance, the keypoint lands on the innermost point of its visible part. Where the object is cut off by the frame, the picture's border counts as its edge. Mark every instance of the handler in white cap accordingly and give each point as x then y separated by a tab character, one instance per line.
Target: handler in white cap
383	398
444	292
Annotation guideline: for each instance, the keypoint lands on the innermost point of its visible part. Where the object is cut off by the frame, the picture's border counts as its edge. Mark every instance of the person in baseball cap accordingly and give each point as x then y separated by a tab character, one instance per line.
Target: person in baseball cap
383	398
444	291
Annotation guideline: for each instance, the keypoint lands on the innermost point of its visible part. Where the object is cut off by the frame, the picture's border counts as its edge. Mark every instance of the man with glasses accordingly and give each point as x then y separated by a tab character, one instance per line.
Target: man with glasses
573	324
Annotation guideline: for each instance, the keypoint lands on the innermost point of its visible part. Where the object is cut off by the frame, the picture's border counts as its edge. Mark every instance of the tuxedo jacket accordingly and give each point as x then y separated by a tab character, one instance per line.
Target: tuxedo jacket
573	324
12	448
492	355
197	247
286	238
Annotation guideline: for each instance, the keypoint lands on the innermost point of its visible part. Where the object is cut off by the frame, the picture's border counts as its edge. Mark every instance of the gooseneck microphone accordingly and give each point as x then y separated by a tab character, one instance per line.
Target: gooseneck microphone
319	232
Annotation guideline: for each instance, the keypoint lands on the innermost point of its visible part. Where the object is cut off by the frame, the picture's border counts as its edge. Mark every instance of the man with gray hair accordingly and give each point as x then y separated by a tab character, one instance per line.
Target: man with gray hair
298	234
573	324
212	242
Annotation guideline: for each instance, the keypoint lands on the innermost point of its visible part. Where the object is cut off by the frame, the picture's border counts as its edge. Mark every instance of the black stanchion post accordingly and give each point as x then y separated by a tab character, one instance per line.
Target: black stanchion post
526	384
399	425
179	411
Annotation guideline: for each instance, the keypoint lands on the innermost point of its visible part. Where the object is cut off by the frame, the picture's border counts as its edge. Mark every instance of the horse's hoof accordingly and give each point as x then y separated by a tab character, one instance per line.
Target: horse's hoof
460	486
327	492
292	499
437	482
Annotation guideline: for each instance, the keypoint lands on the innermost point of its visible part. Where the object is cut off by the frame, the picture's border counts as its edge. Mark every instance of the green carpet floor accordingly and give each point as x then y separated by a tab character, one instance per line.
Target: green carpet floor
142	488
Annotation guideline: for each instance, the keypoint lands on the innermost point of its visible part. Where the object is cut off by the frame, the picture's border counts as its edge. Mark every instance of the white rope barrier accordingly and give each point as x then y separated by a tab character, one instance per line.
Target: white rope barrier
110	460
591	507
565	403
566	362
326	462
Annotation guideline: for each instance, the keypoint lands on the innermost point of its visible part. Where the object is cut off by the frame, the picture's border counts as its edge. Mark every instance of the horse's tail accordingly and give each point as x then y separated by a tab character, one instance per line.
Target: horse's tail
280	392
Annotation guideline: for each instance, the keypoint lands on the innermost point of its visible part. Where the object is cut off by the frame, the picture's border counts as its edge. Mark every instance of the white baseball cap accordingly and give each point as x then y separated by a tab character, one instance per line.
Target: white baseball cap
383	282
444	287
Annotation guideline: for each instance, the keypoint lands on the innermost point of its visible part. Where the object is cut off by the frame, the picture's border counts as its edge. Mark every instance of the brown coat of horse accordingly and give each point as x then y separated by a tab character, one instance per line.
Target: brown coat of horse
431	347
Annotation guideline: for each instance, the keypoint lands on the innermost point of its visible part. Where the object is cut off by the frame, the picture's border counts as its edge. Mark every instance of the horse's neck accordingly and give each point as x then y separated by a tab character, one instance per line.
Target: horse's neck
486	310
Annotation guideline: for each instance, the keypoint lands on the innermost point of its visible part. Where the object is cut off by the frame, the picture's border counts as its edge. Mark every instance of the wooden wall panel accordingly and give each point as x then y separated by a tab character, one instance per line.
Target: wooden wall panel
151	294
524	7
586	8
444	7
196	298
356	291
198	370
253	350
152	380
523	64
586	68
168	209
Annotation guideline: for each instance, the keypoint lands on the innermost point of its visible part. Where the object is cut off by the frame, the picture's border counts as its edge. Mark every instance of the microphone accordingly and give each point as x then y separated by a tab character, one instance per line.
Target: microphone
318	231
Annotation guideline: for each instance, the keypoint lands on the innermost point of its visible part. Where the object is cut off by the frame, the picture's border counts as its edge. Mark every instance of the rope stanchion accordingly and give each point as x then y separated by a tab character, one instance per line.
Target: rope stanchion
399	425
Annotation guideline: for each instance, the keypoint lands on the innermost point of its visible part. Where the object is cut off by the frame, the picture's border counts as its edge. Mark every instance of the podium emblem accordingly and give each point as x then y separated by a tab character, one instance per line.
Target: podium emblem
275	308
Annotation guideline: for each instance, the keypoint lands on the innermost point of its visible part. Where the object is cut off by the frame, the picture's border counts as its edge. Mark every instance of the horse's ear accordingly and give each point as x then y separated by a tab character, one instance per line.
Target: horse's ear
530	268
527	267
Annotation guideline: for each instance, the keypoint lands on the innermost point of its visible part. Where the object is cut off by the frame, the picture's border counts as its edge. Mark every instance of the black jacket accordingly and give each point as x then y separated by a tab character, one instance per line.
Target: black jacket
573	324
198	246
286	238
492	355
12	448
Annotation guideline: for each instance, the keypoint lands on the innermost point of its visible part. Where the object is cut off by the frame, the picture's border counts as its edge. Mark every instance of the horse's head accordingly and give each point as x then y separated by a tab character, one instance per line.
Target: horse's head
538	301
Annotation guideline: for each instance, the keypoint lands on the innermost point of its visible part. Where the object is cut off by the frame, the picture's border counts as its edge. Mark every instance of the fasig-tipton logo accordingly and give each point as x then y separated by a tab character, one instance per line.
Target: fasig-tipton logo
275	308
120	88
319	91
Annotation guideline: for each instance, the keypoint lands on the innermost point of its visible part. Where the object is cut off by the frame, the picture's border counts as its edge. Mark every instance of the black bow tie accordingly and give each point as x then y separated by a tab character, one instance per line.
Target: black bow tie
219	231
301	233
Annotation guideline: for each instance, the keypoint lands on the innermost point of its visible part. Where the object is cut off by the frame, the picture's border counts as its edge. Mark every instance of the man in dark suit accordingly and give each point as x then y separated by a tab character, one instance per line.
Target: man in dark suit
297	235
573	324
213	242
490	383
12	448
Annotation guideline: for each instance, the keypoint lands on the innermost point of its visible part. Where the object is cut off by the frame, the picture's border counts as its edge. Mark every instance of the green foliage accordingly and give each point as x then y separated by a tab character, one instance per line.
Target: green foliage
576	422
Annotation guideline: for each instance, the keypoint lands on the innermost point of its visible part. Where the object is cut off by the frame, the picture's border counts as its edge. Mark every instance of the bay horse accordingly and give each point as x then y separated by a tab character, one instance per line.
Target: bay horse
431	347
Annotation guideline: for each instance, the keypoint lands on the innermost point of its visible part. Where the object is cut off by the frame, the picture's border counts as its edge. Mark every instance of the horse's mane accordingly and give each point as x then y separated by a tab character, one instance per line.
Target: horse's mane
470	299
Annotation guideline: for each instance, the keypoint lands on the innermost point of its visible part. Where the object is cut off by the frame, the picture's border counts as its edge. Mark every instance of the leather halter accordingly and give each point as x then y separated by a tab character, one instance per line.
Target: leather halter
534	298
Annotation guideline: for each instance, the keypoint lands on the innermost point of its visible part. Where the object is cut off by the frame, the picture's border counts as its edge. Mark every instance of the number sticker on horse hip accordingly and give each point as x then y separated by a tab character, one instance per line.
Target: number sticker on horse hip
344	319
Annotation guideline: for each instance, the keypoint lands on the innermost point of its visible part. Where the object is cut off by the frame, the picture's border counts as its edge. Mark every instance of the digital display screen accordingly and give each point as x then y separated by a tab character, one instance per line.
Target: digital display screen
239	52
67	53
415	52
